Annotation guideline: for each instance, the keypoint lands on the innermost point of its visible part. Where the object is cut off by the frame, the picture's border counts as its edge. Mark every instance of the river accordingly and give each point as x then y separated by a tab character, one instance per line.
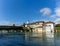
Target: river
30	39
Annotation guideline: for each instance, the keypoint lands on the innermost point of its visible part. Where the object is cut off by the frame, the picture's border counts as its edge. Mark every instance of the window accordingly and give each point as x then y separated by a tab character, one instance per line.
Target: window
49	25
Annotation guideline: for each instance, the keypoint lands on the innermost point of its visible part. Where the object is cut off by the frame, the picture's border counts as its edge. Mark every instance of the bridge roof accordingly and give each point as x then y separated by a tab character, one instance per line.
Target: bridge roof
10	27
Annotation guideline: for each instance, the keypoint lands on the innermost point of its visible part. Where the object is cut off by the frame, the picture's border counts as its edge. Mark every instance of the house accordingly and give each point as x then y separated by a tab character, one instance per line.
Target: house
41	26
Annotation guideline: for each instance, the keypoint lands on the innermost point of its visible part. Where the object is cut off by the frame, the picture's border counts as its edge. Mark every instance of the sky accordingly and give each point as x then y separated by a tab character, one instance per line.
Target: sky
20	11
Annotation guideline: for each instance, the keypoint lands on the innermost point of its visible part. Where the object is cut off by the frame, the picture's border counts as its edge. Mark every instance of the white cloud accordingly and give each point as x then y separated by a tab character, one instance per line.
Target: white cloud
57	21
53	16
45	11
48	11
57	11
4	22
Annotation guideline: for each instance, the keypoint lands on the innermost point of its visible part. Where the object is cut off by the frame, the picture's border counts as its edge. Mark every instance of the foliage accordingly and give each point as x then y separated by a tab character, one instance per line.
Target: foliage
57	28
57	25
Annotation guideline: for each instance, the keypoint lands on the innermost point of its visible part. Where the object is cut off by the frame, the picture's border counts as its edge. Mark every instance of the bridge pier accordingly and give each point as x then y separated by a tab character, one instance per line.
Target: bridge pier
10	31
3	31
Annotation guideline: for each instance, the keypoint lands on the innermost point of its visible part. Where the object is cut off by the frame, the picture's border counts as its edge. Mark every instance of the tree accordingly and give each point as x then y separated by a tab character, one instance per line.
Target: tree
57	25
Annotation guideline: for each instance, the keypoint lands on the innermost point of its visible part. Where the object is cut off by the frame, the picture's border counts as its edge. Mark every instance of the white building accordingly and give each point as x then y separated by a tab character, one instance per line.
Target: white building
41	26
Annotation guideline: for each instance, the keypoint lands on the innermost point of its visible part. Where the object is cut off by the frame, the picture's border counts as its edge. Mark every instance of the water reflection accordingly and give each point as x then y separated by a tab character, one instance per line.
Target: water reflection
57	39
30	39
40	39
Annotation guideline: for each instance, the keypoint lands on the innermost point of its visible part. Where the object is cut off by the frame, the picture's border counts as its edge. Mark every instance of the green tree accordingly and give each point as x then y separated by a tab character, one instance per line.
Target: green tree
57	25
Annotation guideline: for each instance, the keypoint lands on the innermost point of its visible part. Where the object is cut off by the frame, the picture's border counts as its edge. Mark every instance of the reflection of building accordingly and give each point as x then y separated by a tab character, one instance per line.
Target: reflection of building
41	26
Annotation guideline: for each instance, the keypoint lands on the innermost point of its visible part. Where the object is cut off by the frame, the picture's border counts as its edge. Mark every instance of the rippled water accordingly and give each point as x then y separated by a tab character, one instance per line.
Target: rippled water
30	39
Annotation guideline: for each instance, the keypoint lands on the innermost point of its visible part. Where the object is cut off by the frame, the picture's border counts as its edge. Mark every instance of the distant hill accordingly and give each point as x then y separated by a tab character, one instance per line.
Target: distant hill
57	25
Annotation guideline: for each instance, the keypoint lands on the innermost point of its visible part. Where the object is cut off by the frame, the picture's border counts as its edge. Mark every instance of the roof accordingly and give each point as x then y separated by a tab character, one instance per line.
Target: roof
36	22
40	22
39	27
49	22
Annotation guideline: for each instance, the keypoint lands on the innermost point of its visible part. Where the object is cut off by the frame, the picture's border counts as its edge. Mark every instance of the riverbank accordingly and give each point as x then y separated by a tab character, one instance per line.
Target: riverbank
13	33
57	29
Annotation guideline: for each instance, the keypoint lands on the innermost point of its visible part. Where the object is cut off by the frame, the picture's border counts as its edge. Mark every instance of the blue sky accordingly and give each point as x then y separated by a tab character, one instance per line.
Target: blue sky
20	11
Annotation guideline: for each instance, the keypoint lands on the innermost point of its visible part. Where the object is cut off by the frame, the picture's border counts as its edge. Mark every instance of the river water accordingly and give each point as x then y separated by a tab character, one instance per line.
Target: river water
30	39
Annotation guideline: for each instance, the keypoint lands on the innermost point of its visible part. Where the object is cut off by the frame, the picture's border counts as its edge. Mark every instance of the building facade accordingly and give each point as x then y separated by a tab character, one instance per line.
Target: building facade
41	26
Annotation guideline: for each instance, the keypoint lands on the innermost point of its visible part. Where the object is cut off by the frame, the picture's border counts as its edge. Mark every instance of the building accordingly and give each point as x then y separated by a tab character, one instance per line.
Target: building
41	26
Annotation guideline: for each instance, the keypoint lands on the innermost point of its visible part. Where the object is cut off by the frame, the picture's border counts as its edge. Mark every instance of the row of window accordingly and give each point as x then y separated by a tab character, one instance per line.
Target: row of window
37	25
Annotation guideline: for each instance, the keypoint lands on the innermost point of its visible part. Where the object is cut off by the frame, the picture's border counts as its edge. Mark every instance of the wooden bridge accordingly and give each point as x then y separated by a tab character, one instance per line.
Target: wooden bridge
11	28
